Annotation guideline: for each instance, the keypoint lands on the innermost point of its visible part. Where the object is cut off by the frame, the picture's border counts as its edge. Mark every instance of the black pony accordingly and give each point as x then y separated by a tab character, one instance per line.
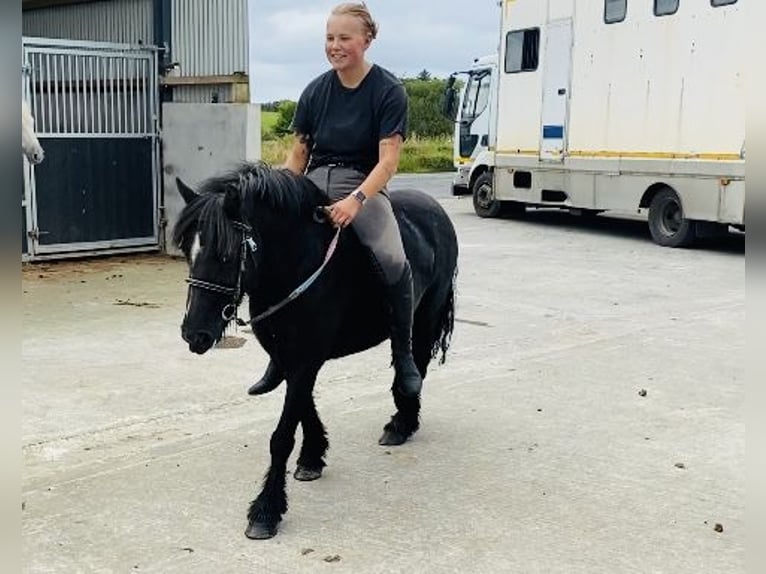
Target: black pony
257	231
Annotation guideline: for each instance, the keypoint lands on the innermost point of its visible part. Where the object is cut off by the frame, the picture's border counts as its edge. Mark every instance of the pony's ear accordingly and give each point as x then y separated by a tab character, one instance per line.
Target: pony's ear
187	192
232	203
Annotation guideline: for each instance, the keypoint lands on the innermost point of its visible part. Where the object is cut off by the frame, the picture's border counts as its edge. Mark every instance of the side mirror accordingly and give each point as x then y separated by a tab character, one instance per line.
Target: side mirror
449	99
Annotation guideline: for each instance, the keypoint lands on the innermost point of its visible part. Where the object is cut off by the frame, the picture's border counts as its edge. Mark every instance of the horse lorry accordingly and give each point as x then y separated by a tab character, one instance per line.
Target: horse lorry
632	108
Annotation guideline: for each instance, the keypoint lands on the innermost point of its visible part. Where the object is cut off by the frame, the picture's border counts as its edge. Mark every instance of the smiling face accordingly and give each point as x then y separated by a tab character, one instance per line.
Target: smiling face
346	42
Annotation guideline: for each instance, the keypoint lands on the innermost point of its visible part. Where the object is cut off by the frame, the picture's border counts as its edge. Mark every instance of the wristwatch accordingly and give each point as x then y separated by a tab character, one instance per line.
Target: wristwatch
359	195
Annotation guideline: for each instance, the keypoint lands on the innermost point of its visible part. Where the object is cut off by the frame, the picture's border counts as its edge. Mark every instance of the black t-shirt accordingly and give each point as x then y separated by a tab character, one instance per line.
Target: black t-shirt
346	125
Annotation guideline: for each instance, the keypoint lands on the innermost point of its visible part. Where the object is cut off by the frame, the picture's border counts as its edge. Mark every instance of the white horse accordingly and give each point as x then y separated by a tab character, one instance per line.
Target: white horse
30	145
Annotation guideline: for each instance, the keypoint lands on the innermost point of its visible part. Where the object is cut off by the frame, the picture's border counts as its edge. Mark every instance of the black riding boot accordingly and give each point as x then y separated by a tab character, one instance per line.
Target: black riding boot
400	301
270	380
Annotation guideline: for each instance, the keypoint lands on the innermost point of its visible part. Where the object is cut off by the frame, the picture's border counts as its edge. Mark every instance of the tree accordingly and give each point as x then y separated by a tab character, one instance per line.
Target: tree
424	75
286	111
425	96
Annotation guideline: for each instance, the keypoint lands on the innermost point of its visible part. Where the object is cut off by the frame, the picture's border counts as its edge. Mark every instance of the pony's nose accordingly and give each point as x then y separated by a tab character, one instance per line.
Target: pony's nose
199	342
37	157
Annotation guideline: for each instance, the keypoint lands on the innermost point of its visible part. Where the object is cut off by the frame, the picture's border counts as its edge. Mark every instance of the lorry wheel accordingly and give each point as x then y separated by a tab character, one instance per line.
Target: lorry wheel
484	202
667	223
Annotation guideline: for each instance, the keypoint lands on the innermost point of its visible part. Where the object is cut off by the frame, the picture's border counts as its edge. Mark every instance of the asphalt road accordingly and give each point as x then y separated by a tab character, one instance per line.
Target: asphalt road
589	418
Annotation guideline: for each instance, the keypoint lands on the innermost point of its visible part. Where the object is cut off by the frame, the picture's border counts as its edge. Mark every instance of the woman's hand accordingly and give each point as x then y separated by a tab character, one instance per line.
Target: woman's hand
344	211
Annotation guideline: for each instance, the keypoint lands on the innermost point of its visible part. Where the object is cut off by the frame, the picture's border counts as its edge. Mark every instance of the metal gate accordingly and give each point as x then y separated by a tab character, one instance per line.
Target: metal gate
96	114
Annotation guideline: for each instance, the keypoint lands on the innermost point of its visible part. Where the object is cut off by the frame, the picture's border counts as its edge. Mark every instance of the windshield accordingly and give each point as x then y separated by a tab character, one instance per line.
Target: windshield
476	95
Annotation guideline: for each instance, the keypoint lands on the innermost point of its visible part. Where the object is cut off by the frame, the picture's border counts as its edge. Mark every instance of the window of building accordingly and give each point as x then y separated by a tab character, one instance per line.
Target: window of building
615	10
665	7
522	48
722	2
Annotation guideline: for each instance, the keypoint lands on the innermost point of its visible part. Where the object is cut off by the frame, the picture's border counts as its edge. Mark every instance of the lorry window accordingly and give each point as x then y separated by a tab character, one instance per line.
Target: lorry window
521	50
665	7
615	10
476	96
722	2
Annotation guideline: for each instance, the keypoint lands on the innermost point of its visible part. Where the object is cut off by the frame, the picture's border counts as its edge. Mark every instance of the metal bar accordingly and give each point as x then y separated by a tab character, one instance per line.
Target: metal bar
78	62
65	253
95	135
48	96
87	97
114	111
143	104
36	72
58	44
134	96
56	101
154	130
121	92
114	243
71	95
100	96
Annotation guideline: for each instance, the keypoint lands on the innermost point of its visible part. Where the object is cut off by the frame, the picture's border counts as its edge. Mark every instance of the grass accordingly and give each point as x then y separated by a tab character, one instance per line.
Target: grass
419	155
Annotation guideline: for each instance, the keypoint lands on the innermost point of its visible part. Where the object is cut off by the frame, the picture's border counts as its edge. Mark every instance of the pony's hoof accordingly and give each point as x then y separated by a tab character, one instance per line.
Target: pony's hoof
261	531
391	438
306	474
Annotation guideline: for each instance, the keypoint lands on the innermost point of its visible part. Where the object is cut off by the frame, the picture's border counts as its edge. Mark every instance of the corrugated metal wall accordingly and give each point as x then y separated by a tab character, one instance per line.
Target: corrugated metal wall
126	21
210	37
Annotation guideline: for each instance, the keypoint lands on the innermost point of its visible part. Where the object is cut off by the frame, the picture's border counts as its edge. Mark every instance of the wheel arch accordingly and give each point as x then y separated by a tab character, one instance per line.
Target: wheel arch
477	172
653	190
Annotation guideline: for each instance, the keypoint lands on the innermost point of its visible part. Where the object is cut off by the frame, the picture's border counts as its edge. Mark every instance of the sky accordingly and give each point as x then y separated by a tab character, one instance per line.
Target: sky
441	36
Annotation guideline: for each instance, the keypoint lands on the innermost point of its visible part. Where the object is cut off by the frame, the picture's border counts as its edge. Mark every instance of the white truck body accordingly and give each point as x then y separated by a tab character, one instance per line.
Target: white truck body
599	115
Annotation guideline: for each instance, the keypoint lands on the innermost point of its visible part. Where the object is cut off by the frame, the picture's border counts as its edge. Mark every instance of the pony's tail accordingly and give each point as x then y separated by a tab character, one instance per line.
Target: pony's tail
446	324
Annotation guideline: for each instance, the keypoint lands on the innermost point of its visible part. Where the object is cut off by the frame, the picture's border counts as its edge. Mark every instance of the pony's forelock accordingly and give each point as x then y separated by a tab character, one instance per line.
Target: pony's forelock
256	183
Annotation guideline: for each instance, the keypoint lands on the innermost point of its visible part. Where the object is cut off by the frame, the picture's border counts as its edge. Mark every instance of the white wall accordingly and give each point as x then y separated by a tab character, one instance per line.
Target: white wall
202	140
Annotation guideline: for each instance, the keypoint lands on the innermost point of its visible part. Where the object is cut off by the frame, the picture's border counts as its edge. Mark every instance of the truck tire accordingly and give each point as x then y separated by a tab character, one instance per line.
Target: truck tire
667	223
486	205
484	202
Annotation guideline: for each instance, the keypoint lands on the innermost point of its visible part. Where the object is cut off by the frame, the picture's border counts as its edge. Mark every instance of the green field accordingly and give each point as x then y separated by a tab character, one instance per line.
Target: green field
419	155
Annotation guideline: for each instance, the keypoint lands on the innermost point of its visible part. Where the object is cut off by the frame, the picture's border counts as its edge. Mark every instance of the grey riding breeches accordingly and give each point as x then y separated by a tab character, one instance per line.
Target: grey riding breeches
374	224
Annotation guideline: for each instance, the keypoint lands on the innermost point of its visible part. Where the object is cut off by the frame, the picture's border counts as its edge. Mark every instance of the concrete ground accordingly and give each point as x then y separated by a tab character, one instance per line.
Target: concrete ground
589	418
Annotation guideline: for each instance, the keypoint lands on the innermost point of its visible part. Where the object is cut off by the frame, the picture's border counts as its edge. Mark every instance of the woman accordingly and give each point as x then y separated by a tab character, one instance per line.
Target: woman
349	127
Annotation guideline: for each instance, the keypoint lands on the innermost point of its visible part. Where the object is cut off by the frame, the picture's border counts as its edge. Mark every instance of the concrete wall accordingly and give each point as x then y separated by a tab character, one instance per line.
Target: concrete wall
202	140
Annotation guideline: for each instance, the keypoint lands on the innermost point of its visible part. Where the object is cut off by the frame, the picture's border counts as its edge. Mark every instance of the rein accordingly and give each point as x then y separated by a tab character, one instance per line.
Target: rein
300	289
248	245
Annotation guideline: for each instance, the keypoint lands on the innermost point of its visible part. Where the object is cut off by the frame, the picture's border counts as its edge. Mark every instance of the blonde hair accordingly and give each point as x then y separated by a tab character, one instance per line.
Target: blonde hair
358	10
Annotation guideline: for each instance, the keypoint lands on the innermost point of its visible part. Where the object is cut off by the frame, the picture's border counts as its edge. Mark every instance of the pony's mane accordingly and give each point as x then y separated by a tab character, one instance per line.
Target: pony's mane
256	183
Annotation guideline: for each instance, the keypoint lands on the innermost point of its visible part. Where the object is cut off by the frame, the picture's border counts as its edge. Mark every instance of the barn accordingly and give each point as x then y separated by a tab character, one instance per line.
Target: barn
127	94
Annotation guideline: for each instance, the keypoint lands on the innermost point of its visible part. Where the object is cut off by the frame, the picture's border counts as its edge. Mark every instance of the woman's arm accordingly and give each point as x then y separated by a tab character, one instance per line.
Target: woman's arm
388	163
298	156
344	211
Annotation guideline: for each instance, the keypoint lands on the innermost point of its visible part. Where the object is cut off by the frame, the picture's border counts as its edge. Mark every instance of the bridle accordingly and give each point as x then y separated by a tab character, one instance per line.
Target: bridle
249	246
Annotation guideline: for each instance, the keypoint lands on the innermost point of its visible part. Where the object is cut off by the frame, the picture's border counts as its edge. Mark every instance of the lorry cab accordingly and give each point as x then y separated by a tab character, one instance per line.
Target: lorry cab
473	110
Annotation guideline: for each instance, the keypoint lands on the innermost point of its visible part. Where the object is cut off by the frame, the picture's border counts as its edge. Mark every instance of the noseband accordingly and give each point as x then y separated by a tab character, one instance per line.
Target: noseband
248	245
